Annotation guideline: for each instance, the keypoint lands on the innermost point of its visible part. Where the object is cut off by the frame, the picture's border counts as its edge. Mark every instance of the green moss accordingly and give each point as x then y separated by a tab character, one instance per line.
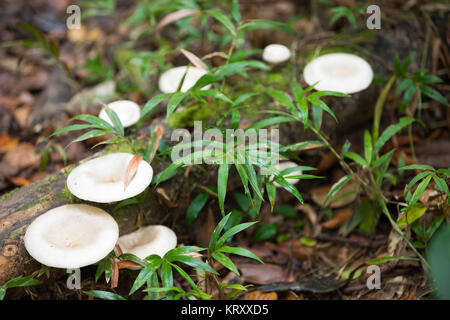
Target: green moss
9	194
66	196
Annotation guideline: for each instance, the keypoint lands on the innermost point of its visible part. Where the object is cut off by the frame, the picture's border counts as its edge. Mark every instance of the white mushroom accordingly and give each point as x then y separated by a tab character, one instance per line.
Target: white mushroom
171	79
281	166
276	53
341	72
102	179
71	236
155	239
127	111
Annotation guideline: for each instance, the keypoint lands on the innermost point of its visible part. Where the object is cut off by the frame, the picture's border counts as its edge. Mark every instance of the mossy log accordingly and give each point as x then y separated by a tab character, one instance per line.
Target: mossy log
164	205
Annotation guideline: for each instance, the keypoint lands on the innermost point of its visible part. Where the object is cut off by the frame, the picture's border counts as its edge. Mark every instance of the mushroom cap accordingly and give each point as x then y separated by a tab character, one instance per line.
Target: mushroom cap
341	72
102	179
155	239
127	111
170	80
276	53
286	165
71	236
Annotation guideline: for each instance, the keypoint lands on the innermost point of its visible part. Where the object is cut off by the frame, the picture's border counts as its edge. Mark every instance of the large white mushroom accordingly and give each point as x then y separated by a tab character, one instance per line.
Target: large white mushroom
171	79
341	72
102	179
127	111
284	165
71	236
155	239
276	53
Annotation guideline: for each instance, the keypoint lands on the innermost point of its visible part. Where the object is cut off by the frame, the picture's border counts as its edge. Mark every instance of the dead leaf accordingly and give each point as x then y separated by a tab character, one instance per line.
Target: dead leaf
19	181
7	143
193	59
158	132
176	15
259	295
115	274
346	195
22	114
261	273
292	247
23	155
339	218
131	170
215	54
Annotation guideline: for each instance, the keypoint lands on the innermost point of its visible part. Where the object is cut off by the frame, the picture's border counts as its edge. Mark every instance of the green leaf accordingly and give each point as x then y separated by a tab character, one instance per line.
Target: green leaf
194	263
223	259
288	187
73	127
241	252
417	167
222	181
216	233
170	171
438	255
419	190
319	103
195	207
336	187
145	275
112	115
271	193
181	250
184	275
265	232
357	158
223	19
390	131
270	122
433	227
89	135
281	97
174	101
368	149
442	185
235	11
232	231
154	102
265	24
411	215
99	123
286	210
434	94
105	295
390	258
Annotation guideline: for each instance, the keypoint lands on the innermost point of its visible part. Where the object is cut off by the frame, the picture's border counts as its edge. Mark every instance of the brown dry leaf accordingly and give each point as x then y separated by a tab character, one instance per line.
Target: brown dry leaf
168	201
7	143
115	275
131	170
261	273
23	155
259	295
22	114
294	247
19	181
339	218
215	54
177	15
311	214
158	131
193	59
346	195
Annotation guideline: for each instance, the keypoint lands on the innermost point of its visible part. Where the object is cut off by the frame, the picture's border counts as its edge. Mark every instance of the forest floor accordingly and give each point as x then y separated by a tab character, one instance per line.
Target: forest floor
39	92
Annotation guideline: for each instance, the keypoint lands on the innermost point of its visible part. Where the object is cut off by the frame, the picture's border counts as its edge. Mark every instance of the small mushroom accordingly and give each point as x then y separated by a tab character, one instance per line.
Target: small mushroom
155	239
276	54
71	236
127	111
341	72
102	179
171	79
287	165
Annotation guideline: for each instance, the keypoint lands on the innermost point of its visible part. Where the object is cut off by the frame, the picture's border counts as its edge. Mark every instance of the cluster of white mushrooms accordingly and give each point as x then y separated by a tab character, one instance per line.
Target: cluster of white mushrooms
77	235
